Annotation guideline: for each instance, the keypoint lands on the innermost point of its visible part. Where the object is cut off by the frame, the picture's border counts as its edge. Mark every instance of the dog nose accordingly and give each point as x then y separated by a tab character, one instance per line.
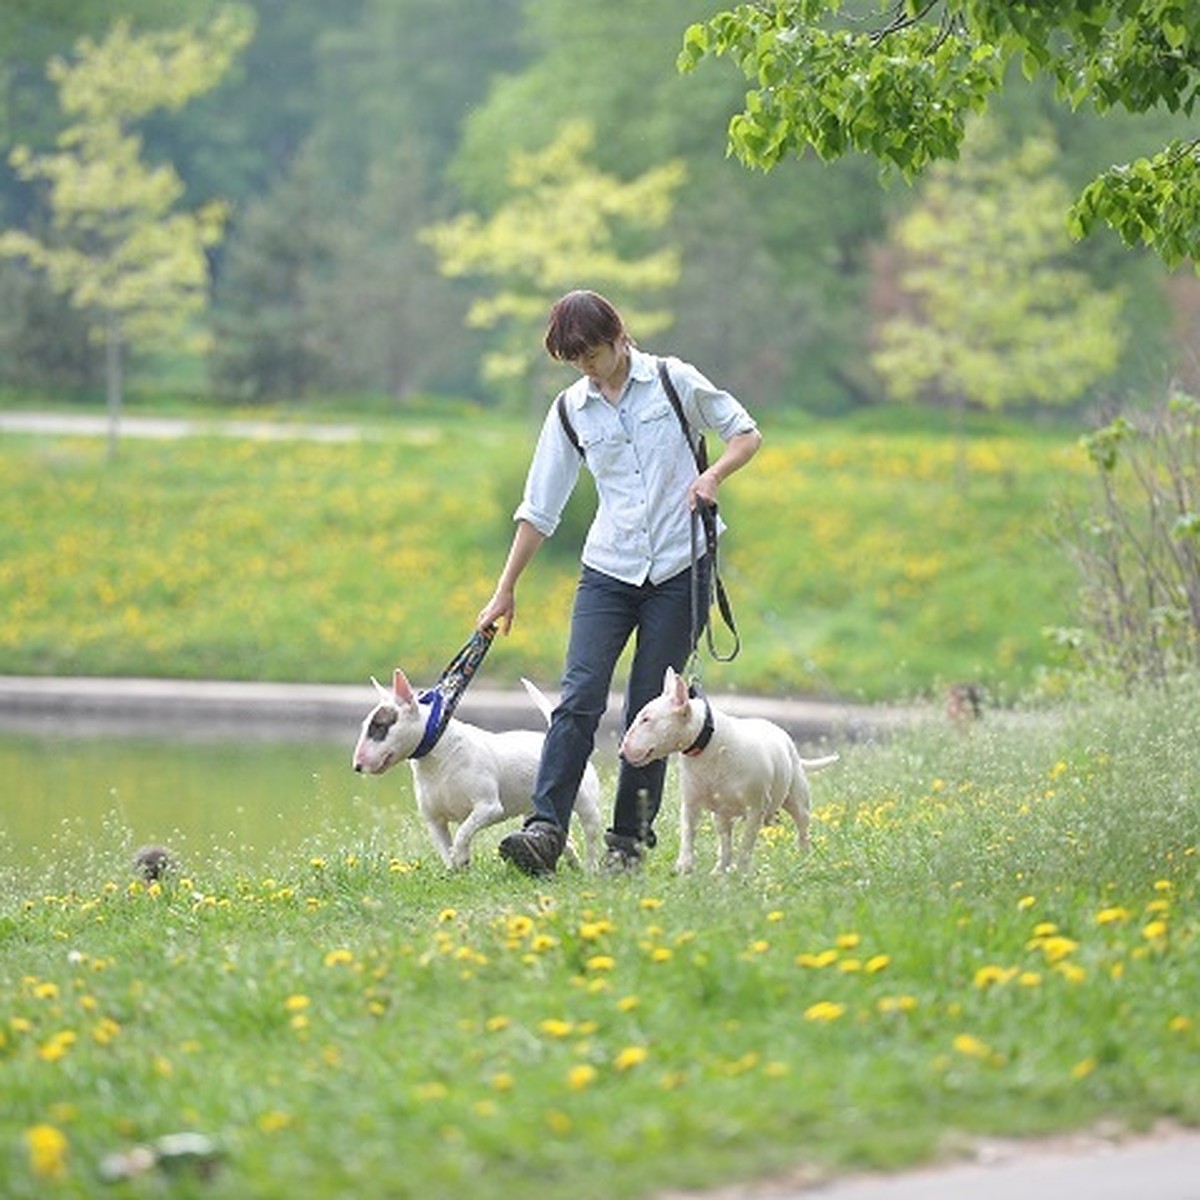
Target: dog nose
358	767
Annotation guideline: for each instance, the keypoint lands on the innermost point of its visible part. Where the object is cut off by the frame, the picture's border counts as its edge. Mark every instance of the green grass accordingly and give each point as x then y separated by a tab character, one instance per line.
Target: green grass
994	933
856	564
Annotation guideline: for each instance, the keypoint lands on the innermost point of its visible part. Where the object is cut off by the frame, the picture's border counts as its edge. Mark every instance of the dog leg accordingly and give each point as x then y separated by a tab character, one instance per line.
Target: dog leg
745	854
587	812
439	832
687	838
797	804
484	813
724	824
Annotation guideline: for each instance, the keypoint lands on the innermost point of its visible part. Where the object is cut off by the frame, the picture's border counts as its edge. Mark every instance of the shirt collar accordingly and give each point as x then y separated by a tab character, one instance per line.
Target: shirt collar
642	369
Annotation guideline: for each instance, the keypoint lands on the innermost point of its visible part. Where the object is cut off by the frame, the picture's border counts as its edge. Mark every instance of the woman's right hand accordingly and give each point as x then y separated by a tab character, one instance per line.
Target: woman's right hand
499	611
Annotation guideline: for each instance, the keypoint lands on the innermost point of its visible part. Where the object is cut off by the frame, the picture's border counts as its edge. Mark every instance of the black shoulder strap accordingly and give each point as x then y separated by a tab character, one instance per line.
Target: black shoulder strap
568	428
698	447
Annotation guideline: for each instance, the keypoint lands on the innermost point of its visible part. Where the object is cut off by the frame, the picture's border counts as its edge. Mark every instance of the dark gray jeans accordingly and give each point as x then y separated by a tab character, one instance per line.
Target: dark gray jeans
605	614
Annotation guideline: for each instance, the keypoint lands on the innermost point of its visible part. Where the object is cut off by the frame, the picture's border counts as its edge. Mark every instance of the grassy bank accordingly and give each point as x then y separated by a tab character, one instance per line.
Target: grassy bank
857	564
993	933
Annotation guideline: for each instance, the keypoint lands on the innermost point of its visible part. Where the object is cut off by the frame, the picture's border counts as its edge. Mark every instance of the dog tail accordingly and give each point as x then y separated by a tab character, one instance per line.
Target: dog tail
543	705
815	764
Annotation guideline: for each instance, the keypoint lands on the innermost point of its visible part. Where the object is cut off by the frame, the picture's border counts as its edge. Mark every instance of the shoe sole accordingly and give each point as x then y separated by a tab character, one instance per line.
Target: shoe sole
524	858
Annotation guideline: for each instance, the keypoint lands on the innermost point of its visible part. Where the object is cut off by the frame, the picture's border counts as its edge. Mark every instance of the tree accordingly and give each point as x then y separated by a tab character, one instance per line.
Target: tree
564	221
1136	545
995	315
901	88
117	246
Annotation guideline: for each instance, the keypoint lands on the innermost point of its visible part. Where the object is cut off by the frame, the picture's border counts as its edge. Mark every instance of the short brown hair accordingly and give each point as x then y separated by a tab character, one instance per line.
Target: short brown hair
579	321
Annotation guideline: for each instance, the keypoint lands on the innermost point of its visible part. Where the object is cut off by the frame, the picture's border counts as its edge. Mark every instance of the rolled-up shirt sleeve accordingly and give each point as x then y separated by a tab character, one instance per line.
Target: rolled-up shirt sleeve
708	406
553	473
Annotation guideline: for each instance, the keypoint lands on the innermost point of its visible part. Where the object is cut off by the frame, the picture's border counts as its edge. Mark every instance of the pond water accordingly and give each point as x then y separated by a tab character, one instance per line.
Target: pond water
75	800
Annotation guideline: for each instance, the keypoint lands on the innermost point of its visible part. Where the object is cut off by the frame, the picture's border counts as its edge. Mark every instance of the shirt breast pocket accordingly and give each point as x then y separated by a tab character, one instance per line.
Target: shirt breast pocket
658	428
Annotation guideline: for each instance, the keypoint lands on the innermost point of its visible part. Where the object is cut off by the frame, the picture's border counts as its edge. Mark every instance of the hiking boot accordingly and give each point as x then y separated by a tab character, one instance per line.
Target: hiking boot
535	849
624	854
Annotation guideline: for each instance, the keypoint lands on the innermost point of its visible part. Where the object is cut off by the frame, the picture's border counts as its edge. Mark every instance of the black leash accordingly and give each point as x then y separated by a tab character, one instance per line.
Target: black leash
444	696
704	517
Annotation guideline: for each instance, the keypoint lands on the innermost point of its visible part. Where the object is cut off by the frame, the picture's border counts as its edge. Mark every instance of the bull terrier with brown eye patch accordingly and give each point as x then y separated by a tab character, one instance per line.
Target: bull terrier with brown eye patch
743	768
467	777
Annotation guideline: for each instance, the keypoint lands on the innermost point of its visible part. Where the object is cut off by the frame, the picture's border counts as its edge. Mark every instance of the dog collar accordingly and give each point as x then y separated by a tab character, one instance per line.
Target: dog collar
705	734
433	723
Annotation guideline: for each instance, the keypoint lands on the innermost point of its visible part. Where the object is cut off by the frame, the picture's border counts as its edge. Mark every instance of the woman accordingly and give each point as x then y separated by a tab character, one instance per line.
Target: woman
619	421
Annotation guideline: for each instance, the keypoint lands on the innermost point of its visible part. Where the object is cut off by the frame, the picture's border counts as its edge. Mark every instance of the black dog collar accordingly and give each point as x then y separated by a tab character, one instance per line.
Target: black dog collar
706	730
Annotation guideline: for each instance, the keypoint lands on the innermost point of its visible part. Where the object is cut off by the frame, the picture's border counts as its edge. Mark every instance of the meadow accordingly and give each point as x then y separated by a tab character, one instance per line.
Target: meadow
858	564
995	932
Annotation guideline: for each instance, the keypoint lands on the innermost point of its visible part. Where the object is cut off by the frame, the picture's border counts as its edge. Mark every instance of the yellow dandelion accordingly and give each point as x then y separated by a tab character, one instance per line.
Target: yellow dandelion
447	914
1083	1068
105	1031
971	1046
631	1056
543	942
601	962
1155	931
47	1146
502	1081
661	954
296	1003
1163	885
57	1047
627	1003
775	915
45	991
824	1010
1055	947
591	931
580	1076
847	941
896	1004
434	1089
519	926
497	1023
817	961
1179	1024
1112	916
993	976
877	963
339	958
1071	972
649	902
274	1120
556	1027
1026	902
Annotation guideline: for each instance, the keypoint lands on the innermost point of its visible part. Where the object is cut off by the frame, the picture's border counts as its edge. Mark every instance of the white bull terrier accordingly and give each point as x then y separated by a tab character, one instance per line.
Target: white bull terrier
730	766
469	777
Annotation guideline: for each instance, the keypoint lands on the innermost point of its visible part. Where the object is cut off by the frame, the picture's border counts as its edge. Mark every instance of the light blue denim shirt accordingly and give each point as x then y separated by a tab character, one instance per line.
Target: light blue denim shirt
640	461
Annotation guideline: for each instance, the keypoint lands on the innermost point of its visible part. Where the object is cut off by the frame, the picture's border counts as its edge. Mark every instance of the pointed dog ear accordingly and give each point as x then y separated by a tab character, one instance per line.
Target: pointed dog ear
382	692
401	688
678	688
